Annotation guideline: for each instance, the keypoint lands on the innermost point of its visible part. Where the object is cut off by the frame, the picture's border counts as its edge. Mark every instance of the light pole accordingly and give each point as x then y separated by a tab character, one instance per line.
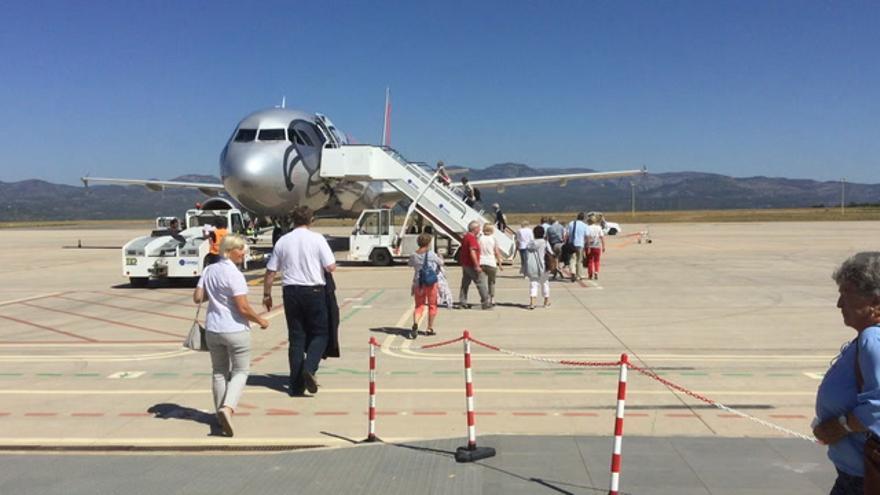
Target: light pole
843	195
632	189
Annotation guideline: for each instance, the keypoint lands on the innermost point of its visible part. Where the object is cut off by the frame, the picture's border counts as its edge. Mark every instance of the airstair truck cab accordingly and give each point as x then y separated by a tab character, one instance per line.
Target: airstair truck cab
375	239
161	256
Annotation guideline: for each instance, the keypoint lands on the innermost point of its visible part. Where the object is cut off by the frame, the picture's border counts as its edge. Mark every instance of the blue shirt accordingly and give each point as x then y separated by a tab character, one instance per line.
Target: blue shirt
838	394
577	230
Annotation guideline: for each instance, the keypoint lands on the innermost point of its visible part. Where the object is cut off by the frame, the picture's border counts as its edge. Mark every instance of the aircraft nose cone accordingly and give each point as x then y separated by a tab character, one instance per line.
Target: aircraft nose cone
253	175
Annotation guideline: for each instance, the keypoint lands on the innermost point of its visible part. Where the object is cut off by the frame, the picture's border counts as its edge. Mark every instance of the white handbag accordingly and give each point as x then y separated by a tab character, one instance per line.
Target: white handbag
195	339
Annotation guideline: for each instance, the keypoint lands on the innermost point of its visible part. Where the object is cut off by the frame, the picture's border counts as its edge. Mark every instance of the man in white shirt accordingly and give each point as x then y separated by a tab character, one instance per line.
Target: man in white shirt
302	256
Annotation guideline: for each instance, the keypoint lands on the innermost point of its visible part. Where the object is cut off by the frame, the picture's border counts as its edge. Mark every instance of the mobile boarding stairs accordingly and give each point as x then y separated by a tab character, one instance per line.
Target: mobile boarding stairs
437	203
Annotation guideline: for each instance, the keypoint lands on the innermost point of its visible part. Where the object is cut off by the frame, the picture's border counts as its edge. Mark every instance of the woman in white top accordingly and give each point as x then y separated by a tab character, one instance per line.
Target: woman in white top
523	237
228	331
595	246
535	267
490	258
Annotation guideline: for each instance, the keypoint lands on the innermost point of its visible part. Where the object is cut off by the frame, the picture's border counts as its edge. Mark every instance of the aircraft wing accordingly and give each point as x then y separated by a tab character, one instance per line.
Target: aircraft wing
562	179
207	188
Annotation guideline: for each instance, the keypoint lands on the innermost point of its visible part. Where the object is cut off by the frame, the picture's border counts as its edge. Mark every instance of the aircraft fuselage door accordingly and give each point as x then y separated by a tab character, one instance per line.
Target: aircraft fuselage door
334	137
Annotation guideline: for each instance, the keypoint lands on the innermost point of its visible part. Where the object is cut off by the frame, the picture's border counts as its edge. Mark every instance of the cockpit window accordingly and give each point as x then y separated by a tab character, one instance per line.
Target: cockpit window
245	135
272	135
305	137
295	137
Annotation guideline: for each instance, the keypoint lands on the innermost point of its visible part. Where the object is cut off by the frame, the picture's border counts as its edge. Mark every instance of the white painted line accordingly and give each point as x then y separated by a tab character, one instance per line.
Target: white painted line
94	358
127	375
814	375
31	298
612	389
361	306
352	299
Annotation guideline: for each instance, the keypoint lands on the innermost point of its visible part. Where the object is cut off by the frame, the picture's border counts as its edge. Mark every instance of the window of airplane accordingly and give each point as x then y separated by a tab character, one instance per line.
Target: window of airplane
272	135
245	135
295	137
305	137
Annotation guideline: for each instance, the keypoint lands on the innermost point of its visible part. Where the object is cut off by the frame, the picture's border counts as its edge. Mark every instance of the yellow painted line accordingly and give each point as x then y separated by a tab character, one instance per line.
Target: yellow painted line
612	389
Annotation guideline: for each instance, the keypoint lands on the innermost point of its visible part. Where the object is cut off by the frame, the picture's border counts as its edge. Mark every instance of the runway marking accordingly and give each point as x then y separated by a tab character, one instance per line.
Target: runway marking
123	308
127	375
366	303
93	358
44	327
814	375
71	313
147	299
610	390
32	298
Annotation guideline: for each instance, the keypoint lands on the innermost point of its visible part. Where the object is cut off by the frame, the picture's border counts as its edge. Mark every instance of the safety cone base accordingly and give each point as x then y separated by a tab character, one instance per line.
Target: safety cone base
465	454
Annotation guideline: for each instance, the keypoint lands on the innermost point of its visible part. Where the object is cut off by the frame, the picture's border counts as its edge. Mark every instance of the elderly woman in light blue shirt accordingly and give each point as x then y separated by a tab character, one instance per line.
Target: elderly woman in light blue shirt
848	400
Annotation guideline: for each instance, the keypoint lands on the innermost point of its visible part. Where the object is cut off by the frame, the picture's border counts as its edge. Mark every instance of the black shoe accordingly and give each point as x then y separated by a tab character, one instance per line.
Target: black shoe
296	392
414	332
310	382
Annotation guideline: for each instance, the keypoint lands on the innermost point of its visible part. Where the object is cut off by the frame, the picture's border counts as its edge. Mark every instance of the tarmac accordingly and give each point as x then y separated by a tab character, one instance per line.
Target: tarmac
96	391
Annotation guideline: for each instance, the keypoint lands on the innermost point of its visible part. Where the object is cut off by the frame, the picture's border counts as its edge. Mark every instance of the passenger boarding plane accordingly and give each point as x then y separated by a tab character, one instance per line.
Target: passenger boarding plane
272	164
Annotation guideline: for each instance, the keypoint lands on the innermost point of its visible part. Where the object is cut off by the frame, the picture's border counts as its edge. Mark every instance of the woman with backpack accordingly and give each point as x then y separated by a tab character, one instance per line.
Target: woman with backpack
427	265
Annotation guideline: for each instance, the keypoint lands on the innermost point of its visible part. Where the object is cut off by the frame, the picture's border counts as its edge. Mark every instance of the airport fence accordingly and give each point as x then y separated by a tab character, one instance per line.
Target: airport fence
471	452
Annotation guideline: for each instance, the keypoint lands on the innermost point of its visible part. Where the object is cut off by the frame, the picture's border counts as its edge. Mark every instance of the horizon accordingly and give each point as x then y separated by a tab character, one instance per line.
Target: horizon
742	89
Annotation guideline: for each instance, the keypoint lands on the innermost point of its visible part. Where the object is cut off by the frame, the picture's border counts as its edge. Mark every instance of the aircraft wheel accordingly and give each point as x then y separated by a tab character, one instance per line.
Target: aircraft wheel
139	282
381	257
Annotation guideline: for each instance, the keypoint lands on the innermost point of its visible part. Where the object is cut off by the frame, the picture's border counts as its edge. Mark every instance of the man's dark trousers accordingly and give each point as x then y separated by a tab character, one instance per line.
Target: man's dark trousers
305	308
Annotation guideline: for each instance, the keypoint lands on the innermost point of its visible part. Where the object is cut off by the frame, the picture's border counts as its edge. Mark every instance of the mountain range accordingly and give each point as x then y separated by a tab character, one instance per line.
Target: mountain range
32	200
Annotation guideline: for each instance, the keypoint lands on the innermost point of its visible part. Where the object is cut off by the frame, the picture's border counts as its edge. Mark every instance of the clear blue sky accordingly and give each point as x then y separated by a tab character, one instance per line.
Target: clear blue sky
154	88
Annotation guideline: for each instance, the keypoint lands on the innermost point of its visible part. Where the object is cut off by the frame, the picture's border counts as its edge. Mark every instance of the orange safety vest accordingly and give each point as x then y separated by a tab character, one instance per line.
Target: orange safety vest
216	238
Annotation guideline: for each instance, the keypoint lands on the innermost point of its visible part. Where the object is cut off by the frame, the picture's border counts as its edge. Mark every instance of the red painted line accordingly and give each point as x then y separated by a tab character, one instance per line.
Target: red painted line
429	413
123	308
331	413
86	414
256	360
580	414
247	406
128	325
135	415
680	415
788	416
2	414
41	414
126	296
62	332
281	412
529	413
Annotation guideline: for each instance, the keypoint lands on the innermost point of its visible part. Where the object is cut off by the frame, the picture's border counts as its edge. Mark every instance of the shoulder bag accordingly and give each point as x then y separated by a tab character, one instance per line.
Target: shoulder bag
195	339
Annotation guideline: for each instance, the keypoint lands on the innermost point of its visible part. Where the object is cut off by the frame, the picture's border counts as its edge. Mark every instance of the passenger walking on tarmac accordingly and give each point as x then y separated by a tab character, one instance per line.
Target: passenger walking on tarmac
848	399
500	219
524	235
305	259
468	193
535	267
595	246
555	235
216	238
427	266
469	259
490	258
228	331
577	233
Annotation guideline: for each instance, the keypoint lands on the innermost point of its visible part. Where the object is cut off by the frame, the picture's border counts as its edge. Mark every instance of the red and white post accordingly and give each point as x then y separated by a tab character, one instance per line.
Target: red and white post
618	427
471	452
371	409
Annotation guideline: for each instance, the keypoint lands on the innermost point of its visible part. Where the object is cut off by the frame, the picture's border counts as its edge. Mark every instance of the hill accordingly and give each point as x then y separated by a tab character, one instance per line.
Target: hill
40	200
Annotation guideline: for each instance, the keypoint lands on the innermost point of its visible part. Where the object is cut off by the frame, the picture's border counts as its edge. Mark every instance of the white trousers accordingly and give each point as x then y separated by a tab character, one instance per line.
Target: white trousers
533	288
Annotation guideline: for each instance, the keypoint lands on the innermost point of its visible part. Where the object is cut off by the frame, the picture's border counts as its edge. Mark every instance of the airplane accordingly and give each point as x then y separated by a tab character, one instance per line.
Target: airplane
271	164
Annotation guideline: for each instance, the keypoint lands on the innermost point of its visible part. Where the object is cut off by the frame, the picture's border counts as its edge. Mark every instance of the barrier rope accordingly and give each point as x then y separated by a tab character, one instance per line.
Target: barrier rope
610	364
